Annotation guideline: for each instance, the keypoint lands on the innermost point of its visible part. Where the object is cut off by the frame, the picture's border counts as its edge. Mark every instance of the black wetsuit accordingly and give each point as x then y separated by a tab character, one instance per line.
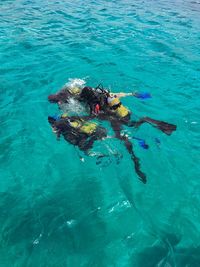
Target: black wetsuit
74	136
94	96
63	96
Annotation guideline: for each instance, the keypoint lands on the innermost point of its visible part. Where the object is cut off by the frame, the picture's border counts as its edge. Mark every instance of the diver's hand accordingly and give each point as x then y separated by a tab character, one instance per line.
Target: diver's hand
134	93
119	95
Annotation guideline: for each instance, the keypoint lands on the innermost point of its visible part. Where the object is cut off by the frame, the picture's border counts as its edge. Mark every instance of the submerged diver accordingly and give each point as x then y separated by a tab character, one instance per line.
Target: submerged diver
81	132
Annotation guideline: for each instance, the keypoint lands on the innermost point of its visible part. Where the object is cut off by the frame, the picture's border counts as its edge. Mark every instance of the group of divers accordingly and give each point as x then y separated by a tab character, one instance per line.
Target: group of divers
82	131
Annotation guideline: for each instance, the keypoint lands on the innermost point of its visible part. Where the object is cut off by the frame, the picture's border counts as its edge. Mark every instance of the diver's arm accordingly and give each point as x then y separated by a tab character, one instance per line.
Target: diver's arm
119	95
143	95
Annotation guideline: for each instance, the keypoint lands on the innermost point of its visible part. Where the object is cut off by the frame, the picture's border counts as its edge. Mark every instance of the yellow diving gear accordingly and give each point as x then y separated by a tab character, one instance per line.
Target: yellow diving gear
112	101
75	124
122	111
88	127
64	115
84	126
74	90
117	107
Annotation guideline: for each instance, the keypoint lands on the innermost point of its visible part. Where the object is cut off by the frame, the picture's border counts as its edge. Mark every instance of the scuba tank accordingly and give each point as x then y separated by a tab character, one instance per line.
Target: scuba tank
117	107
83	126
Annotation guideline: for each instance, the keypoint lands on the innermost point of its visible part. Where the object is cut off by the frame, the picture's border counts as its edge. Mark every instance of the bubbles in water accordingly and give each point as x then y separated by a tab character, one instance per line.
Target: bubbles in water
75	83
73	107
70	223
37	240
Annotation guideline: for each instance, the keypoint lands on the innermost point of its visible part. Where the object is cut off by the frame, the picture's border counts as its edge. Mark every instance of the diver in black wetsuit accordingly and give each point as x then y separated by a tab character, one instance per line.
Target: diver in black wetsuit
76	131
83	133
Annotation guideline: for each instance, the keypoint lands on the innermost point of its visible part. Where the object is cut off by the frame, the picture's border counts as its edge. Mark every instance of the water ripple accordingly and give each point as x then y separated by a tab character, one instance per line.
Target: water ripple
59	211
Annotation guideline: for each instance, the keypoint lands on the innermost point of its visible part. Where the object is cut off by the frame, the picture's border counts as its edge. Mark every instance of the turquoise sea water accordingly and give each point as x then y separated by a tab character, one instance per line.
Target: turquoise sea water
58	211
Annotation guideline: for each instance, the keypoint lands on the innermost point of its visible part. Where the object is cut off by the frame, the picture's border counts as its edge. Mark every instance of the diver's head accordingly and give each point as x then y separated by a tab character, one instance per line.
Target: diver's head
54	118
86	92
86	88
51	119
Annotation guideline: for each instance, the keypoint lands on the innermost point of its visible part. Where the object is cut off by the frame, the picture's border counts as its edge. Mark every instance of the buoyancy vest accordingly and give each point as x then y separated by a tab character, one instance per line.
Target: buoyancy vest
117	107
83	126
74	90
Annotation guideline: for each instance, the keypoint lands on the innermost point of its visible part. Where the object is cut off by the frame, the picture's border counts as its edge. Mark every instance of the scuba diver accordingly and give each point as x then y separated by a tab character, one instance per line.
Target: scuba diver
92	97
107	106
81	132
121	115
77	131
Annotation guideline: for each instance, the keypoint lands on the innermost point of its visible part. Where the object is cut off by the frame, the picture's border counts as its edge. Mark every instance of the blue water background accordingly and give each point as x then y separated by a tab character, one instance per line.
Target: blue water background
58	211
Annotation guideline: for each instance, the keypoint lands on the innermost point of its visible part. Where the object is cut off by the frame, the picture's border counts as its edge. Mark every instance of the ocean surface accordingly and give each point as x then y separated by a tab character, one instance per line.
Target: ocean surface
56	210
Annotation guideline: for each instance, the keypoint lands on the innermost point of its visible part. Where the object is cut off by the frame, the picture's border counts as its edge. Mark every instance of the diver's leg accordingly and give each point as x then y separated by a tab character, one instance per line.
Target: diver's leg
117	129
99	134
89	140
86	143
81	141
135	159
128	122
165	127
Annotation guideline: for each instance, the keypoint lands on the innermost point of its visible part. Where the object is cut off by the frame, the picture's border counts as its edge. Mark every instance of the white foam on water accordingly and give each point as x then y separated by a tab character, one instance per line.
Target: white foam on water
73	107
37	240
70	223
76	82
